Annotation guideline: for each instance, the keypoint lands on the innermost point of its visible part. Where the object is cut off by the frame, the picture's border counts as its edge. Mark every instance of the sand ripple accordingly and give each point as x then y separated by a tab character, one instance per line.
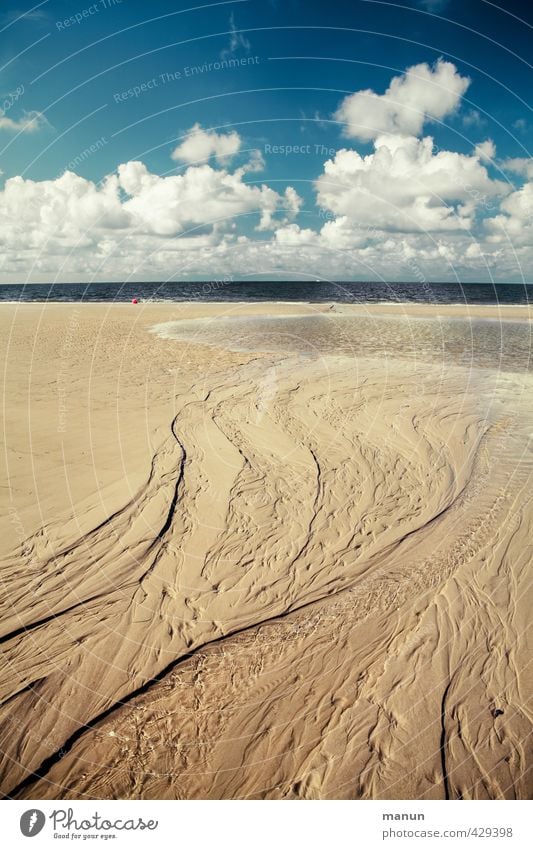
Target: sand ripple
314	587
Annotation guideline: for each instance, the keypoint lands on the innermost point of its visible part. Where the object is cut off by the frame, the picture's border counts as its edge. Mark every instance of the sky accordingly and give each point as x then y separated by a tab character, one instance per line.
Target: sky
252	139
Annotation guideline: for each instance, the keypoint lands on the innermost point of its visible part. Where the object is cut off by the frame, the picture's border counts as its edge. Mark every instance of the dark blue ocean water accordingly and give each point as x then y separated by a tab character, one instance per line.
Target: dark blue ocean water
277	290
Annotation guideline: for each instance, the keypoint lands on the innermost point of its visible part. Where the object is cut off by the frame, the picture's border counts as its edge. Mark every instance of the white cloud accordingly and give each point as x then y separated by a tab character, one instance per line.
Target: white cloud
473	251
293	235
255	162
290	202
407	210
58	214
184	225
520	165
472	118
520	124
293	201
291	252
131	213
201	144
30	122
486	150
514	224
237	41
404	186
422	93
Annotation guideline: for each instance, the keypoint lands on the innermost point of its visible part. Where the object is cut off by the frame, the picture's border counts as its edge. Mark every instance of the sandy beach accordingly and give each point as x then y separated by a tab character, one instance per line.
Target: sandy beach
261	574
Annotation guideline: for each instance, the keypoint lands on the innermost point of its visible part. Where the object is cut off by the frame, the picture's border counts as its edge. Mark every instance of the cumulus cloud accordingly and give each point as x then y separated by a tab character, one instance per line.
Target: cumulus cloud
131	213
514	224
387	219
421	94
520	165
167	206
404	186
472	118
61	213
486	150
406	210
293	236
200	145
291	251
30	122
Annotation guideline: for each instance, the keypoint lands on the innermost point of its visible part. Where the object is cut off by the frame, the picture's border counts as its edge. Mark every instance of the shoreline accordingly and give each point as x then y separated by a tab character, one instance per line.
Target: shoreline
504	311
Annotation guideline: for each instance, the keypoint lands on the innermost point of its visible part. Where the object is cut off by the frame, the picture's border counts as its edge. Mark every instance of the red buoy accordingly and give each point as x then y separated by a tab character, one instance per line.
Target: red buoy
135	300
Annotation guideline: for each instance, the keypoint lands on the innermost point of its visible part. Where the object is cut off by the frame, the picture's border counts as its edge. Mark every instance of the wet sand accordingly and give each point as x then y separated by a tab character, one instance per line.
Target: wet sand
261	573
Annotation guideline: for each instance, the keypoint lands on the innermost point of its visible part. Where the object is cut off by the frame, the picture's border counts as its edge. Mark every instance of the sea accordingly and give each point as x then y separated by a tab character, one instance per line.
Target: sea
361	292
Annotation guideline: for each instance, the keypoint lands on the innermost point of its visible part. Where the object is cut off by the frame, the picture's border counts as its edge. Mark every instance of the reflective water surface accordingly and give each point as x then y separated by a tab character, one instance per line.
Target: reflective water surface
479	343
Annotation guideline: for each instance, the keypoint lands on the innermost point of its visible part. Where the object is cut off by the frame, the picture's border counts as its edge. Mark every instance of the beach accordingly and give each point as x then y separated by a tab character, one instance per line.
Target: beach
270	572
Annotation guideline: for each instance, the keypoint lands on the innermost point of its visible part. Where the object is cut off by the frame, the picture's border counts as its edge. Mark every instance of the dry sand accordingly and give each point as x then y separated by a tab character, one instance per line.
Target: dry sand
259	575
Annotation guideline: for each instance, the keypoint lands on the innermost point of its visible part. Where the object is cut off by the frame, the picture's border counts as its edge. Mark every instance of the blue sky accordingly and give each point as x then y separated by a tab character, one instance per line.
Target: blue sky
264	95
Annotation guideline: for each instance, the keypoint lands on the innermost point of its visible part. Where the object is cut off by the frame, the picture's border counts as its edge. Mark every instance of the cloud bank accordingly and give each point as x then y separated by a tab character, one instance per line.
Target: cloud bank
404	209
